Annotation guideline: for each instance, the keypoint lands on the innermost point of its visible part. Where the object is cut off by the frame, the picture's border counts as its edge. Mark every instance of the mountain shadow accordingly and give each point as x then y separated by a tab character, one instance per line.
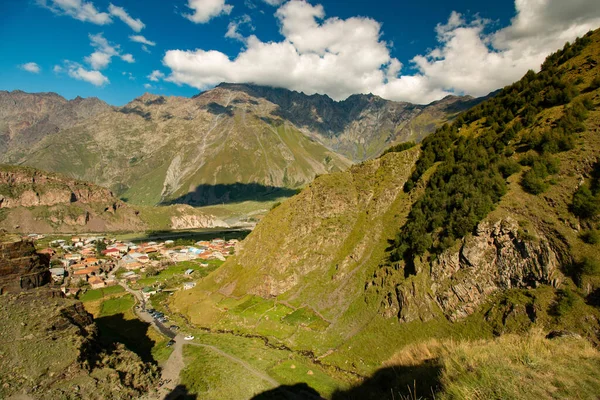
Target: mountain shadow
299	391
133	333
397	382
192	234
206	195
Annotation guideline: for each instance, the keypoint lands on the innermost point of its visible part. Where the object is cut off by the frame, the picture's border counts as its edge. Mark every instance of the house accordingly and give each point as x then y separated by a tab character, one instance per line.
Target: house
96	282
91	261
110	281
112	252
73	257
189	285
147	292
58	274
189	272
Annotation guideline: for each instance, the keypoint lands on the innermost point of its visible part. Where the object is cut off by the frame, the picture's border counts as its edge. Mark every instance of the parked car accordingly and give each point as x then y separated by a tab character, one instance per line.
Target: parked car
170	343
189	337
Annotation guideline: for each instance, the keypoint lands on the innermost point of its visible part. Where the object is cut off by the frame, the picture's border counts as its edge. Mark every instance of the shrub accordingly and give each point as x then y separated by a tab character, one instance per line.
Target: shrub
532	183
399	147
590	237
585	203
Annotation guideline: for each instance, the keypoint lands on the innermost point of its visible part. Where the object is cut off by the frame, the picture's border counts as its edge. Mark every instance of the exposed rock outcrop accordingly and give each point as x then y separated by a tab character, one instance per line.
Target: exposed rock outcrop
20	267
496	257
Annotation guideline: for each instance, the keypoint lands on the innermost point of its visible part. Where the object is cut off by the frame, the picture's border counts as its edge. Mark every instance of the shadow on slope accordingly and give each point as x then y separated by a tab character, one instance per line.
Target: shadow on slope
299	391
195	235
133	333
397	382
180	393
207	195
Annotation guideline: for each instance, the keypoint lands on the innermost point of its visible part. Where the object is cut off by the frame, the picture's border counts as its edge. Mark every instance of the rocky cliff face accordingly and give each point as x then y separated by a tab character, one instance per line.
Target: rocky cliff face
20	267
23	187
497	257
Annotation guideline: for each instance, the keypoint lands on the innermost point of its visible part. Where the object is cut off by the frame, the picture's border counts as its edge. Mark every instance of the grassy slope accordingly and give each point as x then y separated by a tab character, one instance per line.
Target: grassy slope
349	330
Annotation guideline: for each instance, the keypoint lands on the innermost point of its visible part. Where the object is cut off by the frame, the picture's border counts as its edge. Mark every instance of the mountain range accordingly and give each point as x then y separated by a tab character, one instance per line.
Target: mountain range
232	143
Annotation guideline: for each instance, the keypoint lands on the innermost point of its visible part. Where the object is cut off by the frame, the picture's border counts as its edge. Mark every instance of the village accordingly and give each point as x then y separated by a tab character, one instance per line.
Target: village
82	263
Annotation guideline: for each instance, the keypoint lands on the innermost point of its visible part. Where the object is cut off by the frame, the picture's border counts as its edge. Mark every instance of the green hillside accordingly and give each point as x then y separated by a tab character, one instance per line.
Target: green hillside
489	227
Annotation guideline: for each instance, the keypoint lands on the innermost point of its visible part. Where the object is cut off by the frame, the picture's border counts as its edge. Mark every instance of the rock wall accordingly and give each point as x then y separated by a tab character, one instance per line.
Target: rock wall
495	258
20	267
29	188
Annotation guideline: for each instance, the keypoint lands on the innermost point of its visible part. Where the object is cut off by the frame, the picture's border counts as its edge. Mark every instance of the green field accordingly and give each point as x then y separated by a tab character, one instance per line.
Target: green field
97	294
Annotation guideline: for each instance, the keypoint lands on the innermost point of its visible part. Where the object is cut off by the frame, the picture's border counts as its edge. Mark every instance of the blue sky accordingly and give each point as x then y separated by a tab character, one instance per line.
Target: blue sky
416	51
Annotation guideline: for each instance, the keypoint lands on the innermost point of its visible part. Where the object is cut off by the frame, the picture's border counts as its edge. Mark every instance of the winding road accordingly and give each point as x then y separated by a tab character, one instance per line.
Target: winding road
172	367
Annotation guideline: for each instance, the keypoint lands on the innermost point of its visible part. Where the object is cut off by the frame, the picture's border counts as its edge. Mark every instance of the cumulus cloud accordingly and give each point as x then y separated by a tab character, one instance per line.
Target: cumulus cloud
119	12
77	71
104	53
342	57
205	10
233	29
148	86
78	9
142	40
31	67
127	58
156	75
57	69
273	2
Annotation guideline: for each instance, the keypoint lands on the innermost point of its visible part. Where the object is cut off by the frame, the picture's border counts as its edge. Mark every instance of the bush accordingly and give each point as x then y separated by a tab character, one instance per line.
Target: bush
567	299
585	203
533	184
399	147
590	237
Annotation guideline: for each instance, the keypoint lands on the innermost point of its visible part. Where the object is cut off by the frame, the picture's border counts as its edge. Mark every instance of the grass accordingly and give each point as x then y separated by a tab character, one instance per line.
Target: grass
97	294
294	371
174	274
520	367
212	376
117	305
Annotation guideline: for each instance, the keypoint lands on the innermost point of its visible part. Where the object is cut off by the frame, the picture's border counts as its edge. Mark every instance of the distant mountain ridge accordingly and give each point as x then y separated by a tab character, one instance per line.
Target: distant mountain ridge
361	126
26	118
234	142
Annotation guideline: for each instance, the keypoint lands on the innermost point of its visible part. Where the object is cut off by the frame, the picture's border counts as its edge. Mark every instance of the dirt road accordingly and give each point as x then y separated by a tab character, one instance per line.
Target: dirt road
172	367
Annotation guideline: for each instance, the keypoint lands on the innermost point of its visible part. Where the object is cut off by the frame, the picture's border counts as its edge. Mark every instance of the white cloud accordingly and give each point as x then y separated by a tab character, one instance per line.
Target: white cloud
129	75
141	39
104	53
342	57
57	69
156	75
205	10
234	26
128	58
76	71
148	86
31	67
98	60
119	12
273	2
78	9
